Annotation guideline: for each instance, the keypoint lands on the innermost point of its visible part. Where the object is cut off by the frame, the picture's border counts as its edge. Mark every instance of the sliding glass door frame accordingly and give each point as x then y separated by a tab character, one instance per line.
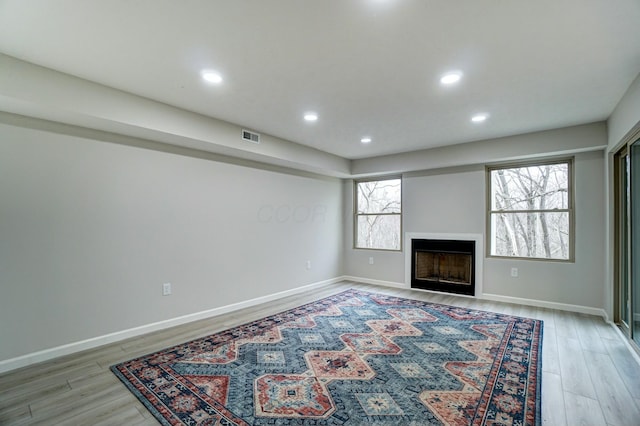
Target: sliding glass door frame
634	240
622	247
626	174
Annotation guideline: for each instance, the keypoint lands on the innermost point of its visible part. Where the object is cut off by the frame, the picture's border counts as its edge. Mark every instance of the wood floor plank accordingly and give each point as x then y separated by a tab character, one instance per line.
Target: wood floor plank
80	390
16	414
618	406
104	375
626	364
94	355
503	308
589	337
605	329
550	357
30	394
515	310
546	315
583	411
565	325
66	402
529	312
553	413
573	368
489	306
86	414
47	383
149	421
48	377
145	413
123	416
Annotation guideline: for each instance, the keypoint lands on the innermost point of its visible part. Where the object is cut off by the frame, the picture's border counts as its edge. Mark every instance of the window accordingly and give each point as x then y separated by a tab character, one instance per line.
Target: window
378	218
531	210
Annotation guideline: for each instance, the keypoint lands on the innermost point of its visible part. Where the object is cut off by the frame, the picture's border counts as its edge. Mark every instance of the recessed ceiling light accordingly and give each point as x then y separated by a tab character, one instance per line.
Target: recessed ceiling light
450	78
365	139
212	77
310	116
479	118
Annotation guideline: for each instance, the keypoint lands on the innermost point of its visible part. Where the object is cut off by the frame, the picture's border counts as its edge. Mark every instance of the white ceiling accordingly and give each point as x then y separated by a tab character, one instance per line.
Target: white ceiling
367	67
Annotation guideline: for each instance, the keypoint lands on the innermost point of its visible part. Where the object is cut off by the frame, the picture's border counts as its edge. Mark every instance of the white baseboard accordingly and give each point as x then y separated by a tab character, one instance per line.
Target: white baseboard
47	354
546	304
398	285
374	282
496	298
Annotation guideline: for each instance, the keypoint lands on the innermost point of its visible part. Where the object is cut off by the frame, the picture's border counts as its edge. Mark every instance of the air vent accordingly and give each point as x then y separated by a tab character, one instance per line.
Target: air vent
250	136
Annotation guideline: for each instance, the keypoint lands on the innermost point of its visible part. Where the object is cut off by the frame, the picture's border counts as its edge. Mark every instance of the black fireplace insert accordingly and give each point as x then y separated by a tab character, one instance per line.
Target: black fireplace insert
443	265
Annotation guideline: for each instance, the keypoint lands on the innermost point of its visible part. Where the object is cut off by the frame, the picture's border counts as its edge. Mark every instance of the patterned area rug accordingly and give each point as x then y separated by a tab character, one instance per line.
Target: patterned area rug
350	359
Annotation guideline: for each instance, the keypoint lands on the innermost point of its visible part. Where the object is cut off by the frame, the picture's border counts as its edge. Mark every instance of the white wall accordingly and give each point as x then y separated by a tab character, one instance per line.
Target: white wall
89	231
453	201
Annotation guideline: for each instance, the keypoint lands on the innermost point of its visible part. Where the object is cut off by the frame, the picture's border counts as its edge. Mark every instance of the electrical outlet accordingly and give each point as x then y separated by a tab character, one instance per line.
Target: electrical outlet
308	264
371	261
166	289
514	272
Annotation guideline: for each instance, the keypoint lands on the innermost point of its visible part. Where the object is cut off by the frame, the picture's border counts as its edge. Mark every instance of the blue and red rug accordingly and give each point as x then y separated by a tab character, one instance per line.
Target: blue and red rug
350	359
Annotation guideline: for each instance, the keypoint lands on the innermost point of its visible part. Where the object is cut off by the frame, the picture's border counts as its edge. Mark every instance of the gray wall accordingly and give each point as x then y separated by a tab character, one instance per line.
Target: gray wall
623	126
433	201
626	115
453	201
567	140
34	91
91	226
90	230
580	283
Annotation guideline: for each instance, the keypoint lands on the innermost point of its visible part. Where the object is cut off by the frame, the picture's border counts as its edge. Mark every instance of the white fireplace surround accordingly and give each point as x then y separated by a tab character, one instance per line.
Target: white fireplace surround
479	255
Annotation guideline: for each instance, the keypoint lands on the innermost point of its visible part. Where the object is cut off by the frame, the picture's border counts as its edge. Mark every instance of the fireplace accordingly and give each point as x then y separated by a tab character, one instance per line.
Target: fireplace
443	265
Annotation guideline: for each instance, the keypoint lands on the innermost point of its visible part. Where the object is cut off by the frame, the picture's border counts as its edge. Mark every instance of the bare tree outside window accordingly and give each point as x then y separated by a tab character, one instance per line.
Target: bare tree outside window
531	211
378	223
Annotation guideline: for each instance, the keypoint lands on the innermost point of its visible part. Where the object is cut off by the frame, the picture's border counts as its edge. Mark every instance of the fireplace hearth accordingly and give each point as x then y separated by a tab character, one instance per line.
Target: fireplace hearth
443	265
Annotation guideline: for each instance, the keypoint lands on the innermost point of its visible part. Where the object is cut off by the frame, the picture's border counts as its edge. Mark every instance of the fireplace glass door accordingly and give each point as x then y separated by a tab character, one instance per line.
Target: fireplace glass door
454	268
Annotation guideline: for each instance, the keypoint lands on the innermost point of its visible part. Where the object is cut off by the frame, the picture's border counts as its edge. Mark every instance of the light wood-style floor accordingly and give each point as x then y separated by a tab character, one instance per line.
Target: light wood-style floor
589	375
